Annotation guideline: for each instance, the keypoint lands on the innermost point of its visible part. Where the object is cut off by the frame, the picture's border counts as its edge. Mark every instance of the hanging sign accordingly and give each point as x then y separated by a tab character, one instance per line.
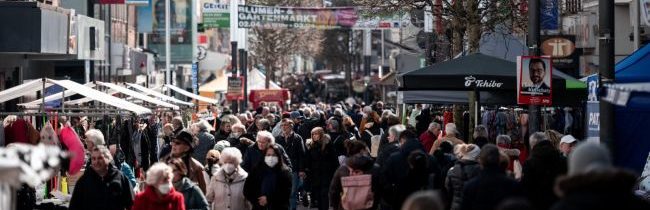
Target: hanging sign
645	11
534	80
216	15
235	89
593	109
549	15
562	49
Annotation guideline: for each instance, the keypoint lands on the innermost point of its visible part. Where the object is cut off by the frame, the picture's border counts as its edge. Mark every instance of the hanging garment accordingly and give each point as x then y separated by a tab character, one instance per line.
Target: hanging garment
501	123
48	135
71	141
568	122
137	147
2	136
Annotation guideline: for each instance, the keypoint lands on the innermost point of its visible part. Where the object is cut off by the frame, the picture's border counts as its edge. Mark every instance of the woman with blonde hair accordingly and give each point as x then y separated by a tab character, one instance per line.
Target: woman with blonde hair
322	163
465	169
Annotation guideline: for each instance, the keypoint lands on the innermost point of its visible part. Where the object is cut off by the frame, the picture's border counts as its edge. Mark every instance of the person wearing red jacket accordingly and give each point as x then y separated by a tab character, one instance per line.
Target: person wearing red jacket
430	135
159	193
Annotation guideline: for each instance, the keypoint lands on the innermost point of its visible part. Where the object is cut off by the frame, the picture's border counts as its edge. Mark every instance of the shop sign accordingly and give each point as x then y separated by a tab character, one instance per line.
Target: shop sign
593	109
562	49
534	86
471	81
216	15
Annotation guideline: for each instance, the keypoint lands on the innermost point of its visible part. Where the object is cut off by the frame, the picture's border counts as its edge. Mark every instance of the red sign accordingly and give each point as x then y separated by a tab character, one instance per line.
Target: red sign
279	96
203	39
235	89
111	1
534	83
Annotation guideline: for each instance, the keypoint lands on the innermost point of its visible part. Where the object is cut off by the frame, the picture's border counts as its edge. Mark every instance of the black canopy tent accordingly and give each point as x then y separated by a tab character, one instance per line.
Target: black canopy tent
494	79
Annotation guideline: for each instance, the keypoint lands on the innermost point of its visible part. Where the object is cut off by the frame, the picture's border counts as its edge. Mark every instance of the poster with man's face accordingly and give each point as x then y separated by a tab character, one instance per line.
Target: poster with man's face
534	80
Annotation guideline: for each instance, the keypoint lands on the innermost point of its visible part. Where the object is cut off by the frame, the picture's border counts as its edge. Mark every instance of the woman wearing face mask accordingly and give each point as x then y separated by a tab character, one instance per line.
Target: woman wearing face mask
226	189
159	193
192	195
269	183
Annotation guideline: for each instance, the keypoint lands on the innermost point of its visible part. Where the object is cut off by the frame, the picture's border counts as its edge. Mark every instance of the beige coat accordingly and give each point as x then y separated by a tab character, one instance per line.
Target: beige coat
227	194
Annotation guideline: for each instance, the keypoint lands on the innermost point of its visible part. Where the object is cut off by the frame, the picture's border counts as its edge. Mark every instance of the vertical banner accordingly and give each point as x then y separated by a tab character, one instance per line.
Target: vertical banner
593	109
180	30
195	79
145	19
534	80
549	15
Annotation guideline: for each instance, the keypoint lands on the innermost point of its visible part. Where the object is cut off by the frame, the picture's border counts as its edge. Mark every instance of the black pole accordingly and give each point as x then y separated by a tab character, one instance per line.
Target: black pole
91	13
242	67
534	115
233	63
606	67
110	42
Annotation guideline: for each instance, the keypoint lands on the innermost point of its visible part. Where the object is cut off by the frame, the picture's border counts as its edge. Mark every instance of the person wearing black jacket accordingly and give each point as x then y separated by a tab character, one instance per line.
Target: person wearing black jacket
255	152
391	146
295	148
268	186
539	173
102	187
402	177
321	165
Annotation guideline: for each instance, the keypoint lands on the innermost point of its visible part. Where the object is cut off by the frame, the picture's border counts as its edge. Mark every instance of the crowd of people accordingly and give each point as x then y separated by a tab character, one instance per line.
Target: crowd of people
344	156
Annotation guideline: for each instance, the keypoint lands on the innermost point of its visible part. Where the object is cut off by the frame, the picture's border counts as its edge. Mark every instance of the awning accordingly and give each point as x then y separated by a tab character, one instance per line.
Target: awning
158	95
192	95
22	90
101	97
138	95
86	99
66	93
37	85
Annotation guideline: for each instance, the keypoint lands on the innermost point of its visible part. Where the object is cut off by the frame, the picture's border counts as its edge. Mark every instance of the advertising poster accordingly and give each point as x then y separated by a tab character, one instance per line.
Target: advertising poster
180	30
235	89
593	109
534	80
549	15
216	15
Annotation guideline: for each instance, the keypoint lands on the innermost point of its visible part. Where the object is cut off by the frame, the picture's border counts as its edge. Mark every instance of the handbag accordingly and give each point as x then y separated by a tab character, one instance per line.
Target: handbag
357	192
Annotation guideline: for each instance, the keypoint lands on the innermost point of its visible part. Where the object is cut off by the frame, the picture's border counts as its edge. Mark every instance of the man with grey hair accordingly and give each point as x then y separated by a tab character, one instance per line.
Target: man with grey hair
256	152
392	145
206	141
177	123
102	185
535	138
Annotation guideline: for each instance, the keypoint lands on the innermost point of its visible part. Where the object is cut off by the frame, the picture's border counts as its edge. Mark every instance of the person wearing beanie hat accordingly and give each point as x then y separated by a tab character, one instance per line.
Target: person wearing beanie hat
465	169
593	183
182	147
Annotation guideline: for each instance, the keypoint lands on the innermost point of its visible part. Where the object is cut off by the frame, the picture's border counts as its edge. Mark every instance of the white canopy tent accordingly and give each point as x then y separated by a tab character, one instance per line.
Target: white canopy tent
158	95
192	95
66	93
37	85
138	95
86	100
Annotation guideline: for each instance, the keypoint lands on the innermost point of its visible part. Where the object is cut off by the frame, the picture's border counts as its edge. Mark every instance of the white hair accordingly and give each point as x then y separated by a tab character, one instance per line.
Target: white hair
396	130
231	153
435	125
267	135
157	172
451	128
536	138
503	139
104	151
95	136
238	125
339	112
203	125
367	109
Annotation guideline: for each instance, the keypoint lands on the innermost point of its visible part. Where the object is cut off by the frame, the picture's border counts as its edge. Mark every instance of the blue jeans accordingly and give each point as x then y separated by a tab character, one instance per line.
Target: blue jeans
295	185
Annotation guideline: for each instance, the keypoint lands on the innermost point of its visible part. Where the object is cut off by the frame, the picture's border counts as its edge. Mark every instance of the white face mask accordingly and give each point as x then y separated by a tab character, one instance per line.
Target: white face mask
271	161
229	168
165	188
235	134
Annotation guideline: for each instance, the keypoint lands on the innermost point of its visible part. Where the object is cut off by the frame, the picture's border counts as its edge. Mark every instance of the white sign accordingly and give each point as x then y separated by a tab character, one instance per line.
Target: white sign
428	20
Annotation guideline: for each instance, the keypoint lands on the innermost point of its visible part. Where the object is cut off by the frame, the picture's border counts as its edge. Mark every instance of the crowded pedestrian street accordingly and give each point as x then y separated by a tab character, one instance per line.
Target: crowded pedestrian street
324	104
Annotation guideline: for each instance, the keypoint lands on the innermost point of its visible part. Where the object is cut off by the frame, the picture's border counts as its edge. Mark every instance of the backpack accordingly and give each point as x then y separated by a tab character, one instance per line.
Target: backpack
357	192
374	143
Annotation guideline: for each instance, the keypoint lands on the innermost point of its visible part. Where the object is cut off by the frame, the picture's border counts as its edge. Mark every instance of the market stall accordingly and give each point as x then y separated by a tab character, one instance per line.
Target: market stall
158	94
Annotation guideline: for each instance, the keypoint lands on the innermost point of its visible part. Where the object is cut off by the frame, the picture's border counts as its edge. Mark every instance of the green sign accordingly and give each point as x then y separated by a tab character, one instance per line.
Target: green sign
216	15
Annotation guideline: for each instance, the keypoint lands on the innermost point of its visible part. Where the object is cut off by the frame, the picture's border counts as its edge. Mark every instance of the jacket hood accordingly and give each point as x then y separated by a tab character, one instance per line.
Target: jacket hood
186	184
240	175
411	145
612	182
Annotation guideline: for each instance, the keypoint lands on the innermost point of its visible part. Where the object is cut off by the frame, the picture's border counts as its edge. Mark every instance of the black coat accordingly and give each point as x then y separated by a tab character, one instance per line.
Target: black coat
279	200
458	175
385	152
110	193
399	180
339	139
599	191
539	173
254	156
488	190
294	146
321	165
